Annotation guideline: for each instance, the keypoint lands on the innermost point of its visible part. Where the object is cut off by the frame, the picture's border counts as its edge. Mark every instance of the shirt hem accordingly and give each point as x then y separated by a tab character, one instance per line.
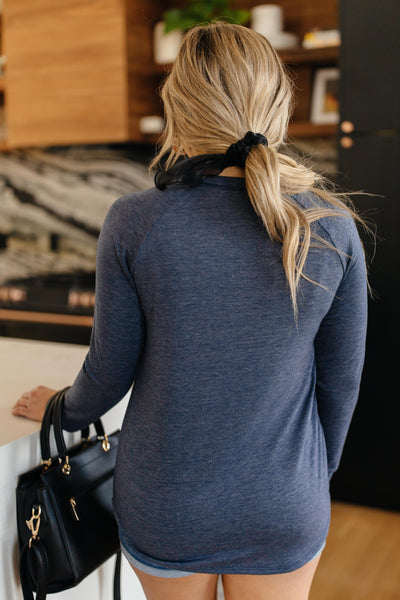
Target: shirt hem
157	565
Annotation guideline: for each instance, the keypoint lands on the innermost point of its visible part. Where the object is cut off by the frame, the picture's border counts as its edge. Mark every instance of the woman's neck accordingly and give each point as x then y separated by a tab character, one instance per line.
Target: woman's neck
232	172
228	172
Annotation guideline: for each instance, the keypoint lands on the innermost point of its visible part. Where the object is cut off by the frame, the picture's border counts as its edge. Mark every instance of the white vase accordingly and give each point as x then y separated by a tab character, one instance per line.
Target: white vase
267	19
166	45
151	125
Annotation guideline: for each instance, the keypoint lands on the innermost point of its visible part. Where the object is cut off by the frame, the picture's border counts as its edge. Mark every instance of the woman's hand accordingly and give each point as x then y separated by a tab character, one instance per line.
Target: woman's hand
32	404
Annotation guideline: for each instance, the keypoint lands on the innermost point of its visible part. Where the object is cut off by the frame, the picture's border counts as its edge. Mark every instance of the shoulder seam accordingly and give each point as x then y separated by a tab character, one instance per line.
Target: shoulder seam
161	216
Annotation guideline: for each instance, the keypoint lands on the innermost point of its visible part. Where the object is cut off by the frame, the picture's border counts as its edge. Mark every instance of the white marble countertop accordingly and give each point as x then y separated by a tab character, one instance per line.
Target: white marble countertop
26	364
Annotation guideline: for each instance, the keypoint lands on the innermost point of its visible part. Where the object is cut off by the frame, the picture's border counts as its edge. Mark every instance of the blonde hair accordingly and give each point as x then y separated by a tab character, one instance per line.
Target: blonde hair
227	80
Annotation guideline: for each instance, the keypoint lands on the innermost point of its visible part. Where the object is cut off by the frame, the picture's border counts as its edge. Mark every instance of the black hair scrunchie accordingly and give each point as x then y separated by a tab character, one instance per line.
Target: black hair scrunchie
237	153
192	171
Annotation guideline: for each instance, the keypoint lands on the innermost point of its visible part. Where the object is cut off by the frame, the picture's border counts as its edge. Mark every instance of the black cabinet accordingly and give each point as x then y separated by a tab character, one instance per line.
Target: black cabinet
370	468
369	160
369	58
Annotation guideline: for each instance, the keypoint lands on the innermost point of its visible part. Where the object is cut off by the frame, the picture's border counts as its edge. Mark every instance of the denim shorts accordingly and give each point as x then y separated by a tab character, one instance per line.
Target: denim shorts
170	573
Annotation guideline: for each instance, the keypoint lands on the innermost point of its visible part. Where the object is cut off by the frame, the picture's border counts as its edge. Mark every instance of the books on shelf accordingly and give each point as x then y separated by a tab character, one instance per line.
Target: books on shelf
321	38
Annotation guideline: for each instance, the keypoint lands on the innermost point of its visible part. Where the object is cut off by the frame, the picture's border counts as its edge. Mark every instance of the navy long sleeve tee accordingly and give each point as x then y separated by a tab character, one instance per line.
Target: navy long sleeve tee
239	412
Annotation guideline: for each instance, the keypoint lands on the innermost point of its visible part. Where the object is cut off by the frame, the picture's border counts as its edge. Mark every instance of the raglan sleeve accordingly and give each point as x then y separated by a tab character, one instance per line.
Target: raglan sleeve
340	349
118	330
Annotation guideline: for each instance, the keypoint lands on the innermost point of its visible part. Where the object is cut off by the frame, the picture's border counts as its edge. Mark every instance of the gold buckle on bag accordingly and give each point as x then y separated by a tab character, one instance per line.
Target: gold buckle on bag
105	444
34	524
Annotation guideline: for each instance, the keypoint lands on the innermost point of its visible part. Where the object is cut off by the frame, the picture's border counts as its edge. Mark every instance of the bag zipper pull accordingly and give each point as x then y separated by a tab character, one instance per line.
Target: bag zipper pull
73	506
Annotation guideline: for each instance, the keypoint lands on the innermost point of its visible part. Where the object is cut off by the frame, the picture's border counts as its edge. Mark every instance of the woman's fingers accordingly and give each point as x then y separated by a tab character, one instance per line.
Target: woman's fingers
32	404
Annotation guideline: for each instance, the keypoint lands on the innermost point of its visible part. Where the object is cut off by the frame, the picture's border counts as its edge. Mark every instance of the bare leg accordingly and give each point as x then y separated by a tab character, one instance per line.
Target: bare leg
286	586
192	587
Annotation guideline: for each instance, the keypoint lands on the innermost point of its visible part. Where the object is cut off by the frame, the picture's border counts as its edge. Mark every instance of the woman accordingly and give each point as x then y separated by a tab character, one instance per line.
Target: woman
234	294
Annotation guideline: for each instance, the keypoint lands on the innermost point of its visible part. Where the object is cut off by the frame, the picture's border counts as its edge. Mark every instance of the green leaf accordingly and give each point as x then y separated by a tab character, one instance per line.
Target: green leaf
172	19
242	16
202	11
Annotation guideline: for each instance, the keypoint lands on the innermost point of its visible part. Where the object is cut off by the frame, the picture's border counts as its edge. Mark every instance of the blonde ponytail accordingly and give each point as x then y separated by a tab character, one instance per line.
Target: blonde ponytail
284	221
227	80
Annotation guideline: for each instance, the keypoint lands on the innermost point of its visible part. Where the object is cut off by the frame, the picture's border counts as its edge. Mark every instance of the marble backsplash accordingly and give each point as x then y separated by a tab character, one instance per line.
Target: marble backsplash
53	201
52	205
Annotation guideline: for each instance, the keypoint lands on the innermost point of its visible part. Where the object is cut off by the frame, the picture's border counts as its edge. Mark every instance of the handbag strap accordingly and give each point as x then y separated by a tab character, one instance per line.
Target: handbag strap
37	553
45	428
58	429
117	576
48	420
57	425
53	416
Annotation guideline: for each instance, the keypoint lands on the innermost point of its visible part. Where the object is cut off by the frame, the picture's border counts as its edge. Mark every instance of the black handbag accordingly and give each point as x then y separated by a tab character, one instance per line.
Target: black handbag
65	518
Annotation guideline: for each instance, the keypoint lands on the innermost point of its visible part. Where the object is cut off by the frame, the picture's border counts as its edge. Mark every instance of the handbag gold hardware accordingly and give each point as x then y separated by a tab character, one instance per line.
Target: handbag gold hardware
32	526
73	506
105	444
66	468
46	463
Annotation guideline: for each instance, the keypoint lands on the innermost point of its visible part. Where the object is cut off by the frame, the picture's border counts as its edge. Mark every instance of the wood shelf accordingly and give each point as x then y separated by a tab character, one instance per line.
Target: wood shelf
43	317
2	83
303	129
297	129
318	56
291	56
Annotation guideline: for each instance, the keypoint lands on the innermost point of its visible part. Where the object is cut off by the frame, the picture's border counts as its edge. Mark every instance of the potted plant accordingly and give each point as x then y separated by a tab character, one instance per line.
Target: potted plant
175	21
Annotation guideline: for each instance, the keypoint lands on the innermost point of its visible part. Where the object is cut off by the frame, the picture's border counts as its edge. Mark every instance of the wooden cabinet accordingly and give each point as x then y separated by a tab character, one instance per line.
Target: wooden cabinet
371	104
75	70
3	133
83	72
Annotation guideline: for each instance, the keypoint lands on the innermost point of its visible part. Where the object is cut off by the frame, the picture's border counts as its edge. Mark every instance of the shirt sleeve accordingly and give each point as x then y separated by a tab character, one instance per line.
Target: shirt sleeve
339	352
117	336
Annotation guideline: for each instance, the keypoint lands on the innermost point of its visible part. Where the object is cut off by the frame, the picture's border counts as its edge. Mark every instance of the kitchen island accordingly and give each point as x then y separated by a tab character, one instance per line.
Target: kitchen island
24	365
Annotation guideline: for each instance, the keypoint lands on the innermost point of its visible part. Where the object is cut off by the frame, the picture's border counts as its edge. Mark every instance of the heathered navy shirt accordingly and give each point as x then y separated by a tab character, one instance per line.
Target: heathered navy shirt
239	412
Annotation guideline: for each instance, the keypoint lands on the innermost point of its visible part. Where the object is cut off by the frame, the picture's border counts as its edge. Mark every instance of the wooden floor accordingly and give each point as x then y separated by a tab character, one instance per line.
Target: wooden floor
361	560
